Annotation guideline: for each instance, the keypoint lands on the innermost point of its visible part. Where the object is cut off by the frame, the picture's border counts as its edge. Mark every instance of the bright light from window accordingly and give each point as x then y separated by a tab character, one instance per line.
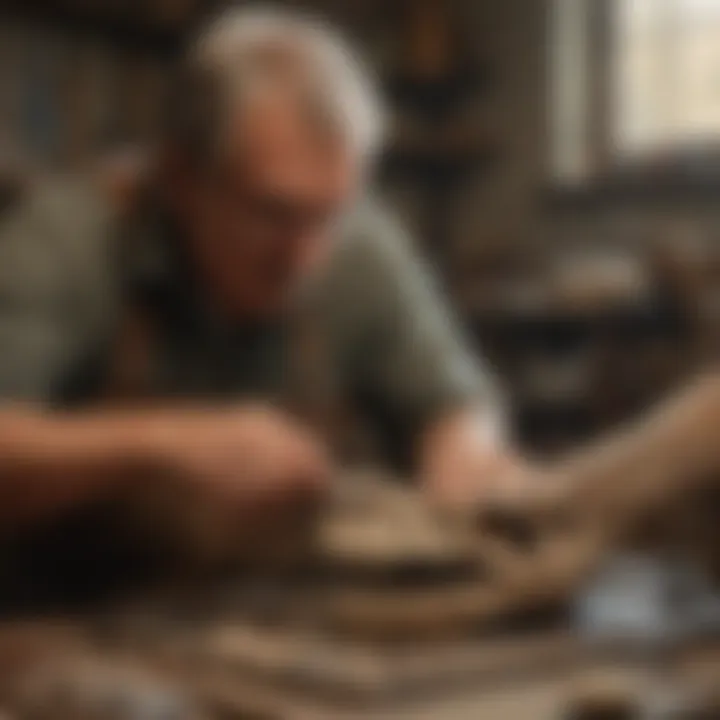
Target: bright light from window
667	75
663	67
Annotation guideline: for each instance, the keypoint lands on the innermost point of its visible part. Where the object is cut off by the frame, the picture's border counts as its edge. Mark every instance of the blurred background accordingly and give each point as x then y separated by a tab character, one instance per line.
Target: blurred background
557	160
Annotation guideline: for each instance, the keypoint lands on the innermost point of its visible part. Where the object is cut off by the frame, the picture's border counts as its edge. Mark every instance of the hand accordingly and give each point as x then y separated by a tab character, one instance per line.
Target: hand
252	456
465	464
232	481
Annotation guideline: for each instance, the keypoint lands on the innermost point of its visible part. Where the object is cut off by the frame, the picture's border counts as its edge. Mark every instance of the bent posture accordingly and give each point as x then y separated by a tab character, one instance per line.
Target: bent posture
185	291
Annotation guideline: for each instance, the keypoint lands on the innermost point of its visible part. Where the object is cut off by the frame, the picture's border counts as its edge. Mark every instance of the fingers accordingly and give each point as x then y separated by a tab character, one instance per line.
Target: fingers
288	463
469	481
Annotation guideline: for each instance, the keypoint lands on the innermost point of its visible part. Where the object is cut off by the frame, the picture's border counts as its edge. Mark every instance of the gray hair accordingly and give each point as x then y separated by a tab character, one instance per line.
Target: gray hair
241	48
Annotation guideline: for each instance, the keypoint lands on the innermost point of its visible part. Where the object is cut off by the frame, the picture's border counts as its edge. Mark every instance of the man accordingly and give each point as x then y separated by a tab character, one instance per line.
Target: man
253	208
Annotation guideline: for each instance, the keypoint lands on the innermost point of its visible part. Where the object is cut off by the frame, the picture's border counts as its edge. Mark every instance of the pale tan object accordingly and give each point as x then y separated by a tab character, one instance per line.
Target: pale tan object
589	505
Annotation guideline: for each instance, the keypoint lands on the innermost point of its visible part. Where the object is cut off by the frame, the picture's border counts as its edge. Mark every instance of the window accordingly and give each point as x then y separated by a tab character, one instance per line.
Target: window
635	82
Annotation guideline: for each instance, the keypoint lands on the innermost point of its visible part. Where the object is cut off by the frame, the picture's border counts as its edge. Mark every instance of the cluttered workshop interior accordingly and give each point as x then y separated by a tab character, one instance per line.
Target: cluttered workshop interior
358	359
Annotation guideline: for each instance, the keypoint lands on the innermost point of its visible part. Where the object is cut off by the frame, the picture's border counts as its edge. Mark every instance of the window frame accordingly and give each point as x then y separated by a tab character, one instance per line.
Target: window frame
598	170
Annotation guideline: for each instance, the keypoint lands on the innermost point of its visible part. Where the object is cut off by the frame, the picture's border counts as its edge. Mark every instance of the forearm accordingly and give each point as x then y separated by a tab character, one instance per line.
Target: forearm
669	453
52	462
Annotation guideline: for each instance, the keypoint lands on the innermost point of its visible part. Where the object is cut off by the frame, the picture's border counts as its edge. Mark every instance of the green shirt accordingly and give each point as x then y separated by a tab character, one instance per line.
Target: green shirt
375	330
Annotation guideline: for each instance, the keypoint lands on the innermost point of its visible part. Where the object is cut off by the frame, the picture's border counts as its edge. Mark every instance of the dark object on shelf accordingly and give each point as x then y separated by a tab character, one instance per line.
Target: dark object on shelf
433	85
436	100
127	29
433	166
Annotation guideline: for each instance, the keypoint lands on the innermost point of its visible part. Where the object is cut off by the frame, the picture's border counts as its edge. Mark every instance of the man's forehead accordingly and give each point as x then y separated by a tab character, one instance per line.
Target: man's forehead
273	142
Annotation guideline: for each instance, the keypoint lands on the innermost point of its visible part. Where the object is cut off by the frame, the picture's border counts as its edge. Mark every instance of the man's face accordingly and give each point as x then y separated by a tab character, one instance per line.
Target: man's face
263	218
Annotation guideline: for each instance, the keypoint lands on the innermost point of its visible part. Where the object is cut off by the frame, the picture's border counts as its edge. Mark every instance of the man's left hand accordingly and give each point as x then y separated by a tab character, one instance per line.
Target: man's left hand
465	462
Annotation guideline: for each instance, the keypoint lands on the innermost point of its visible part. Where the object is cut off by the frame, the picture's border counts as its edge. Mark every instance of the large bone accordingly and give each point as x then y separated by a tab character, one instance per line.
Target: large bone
665	456
588	505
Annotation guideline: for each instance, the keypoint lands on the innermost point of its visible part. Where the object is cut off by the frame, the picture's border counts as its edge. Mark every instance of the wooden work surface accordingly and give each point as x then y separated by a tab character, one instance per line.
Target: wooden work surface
234	670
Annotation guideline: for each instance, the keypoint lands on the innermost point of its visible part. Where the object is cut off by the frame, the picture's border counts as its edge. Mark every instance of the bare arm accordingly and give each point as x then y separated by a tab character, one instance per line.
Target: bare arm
50	463
408	358
413	360
243	459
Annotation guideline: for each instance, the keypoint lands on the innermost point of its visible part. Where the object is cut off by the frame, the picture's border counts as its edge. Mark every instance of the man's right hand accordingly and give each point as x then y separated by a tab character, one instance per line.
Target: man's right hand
249	467
243	483
247	458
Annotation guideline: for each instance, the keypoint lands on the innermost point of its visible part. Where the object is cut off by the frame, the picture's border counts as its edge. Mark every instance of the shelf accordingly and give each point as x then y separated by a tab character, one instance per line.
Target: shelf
633	192
127	30
436	100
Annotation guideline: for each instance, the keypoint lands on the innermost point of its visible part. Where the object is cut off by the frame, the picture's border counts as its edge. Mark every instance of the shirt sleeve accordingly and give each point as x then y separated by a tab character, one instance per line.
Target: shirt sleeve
51	293
405	352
